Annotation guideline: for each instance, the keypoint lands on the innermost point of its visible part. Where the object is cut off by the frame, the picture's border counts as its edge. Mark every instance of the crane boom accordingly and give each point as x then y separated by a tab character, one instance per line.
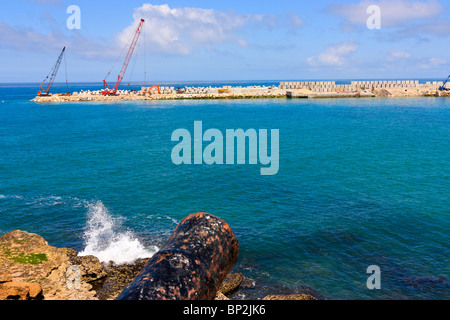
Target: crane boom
52	77
443	87
113	91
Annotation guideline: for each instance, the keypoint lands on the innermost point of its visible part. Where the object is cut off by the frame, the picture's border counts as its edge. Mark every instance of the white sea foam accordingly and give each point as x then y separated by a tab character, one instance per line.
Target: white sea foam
106	239
172	219
41	202
2	196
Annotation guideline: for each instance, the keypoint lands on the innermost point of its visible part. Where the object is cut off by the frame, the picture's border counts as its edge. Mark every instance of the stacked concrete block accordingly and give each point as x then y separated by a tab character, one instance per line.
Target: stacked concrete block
330	86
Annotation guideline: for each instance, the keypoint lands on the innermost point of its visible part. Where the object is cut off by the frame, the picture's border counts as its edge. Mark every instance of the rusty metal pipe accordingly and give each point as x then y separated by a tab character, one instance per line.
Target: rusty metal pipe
191	265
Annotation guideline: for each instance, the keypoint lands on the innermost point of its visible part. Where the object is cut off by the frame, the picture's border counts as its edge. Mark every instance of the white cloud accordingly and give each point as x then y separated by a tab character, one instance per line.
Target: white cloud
433	63
288	20
394	13
336	55
398	54
167	30
27	39
178	30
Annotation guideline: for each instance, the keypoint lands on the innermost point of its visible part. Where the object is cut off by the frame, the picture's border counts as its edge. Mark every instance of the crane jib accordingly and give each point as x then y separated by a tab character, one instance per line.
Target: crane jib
54	72
113	91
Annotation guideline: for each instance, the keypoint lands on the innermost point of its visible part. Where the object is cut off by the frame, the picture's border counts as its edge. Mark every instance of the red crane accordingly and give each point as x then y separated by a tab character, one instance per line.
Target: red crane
113	91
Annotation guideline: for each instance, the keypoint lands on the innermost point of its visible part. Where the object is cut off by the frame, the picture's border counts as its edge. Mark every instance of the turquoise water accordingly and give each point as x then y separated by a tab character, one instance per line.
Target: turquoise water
361	182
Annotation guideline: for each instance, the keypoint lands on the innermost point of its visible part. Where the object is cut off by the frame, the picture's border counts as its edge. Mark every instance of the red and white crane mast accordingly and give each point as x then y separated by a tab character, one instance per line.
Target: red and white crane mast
113	91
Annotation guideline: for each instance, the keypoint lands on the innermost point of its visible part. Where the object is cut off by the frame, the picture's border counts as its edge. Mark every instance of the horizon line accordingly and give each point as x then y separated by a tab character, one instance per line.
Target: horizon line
254	80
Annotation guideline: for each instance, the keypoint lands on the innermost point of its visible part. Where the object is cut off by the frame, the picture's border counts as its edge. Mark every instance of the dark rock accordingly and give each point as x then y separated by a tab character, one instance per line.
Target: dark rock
309	291
426	282
247	283
231	282
118	278
259	289
91	268
192	264
289	297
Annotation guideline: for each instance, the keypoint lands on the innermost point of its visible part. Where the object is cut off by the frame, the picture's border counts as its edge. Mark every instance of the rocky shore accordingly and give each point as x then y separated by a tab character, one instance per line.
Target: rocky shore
31	269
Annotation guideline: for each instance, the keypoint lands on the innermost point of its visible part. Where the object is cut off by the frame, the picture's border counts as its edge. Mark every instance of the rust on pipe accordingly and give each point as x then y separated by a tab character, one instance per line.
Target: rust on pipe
191	265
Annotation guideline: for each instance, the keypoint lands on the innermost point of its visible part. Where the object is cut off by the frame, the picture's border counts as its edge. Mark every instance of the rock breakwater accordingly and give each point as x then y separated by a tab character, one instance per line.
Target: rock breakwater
315	89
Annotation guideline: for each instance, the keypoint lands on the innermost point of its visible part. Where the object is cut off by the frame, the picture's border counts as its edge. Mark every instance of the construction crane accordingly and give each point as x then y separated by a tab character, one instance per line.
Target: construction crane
107	90
45	92
443	87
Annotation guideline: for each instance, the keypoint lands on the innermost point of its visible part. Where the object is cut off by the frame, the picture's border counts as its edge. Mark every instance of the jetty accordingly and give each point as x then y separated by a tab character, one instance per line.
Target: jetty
392	88
299	89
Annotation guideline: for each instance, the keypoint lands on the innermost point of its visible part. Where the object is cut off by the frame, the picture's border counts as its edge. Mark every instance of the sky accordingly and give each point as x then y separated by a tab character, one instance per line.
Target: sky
199	40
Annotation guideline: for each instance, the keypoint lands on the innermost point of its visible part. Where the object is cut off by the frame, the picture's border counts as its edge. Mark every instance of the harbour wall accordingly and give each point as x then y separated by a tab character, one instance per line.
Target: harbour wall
355	86
298	89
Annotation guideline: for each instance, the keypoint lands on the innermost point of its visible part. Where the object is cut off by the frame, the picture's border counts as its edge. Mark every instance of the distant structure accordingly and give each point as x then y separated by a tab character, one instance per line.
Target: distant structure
355	86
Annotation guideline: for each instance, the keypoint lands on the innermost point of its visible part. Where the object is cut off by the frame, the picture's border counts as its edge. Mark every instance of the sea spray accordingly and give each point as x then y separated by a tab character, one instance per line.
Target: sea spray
106	239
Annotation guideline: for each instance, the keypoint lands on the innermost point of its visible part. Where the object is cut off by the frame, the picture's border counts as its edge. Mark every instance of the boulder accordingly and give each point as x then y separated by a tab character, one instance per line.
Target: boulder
118	278
27	257
20	291
192	264
231	282
91	268
290	297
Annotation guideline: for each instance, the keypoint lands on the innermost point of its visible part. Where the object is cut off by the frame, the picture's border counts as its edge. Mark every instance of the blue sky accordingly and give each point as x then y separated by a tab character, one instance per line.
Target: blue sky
227	40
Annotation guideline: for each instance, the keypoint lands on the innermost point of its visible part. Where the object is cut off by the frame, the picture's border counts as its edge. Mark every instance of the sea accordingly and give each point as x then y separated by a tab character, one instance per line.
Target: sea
363	183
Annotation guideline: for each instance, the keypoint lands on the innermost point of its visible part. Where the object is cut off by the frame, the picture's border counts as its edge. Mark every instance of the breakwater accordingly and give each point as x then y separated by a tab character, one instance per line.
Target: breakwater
355	86
299	89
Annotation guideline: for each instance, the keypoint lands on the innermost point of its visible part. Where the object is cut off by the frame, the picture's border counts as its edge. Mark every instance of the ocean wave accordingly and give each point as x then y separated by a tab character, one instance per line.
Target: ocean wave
49	201
46	201
106	239
2	196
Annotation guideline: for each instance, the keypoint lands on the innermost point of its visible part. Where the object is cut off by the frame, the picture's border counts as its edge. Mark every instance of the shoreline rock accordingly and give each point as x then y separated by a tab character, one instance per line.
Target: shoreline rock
117	279
289	297
28	258
31	269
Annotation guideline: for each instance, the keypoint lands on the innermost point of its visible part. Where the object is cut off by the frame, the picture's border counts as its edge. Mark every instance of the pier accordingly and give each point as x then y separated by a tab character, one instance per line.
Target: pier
299	89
